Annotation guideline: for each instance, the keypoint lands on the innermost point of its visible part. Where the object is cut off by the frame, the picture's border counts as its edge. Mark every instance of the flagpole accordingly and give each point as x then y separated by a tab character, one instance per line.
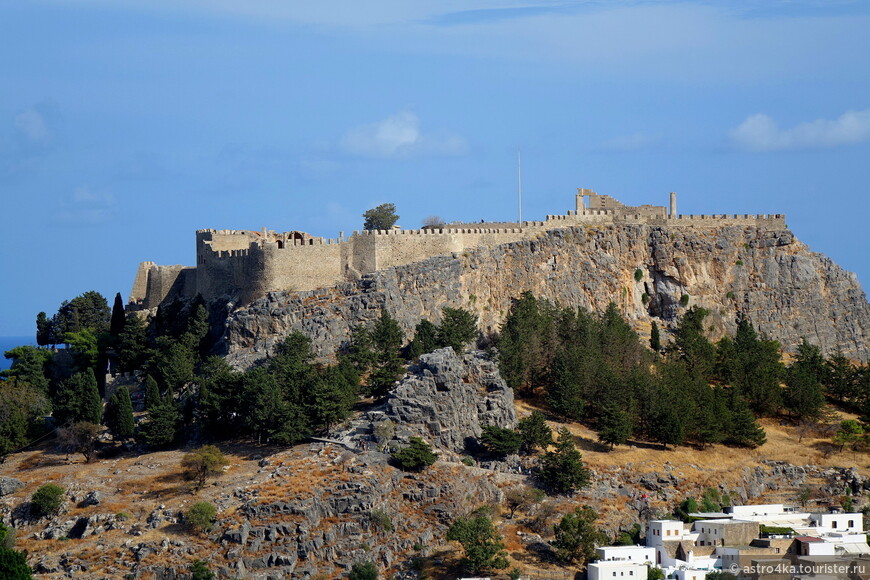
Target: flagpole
520	187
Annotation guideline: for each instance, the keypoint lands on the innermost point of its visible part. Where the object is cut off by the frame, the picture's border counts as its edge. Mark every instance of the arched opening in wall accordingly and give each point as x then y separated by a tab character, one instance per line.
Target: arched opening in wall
280	245
297	236
310	241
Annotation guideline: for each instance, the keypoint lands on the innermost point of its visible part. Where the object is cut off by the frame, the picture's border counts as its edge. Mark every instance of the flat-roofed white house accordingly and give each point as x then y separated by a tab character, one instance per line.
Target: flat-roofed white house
621	569
641	554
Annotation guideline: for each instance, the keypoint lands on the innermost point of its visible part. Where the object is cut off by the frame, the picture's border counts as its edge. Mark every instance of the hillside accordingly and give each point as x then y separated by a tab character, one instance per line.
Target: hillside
268	497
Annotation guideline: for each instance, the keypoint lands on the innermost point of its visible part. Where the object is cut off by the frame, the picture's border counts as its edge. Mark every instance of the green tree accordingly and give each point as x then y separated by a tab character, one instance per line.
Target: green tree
425	339
615	426
78	399
47	500
521	497
840	377
86	311
118	319
386	340
691	344
743	428
562	469
152	393
655	573
119	414
499	441
132	349
162	425
85	347
44	330
382	217
576	536
21	410
803	394
416	456
363	571
202	463
849	433
687	507
333	396
526	342
30	365
655	339
483	546
173	364
457	329
200	516
13	565
535	432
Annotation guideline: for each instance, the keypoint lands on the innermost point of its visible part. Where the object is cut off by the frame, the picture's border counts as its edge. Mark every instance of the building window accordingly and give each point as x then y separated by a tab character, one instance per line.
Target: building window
834	524
776	550
851	523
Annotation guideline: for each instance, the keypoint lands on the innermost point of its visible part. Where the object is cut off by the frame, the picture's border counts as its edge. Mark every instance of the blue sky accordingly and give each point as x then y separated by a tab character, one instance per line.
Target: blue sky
125	126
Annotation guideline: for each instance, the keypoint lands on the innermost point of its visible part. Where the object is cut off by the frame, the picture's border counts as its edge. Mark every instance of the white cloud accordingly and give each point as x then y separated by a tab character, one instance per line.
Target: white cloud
86	206
761	133
633	142
32	126
399	136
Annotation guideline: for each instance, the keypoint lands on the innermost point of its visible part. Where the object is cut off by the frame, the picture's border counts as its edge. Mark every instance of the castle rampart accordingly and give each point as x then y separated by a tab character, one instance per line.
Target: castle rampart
242	264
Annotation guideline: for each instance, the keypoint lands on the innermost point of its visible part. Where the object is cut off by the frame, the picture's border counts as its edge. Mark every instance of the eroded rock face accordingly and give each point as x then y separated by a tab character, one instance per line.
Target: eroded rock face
787	291
447	399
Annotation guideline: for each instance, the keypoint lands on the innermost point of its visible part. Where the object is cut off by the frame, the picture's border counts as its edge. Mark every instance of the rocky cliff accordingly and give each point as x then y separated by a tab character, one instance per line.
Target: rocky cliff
786	290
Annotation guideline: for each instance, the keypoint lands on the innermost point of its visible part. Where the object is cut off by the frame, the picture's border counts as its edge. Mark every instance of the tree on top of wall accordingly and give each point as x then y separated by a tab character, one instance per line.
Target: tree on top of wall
382	217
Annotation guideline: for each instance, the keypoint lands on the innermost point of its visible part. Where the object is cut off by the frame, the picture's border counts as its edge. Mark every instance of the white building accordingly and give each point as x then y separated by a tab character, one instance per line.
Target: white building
622	569
641	554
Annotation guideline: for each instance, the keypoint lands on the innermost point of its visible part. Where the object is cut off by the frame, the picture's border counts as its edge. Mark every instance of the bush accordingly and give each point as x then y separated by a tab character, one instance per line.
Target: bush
200	517
363	571
416	456
199	571
381	519
7	537
13	565
638	275
46	501
684	299
466	460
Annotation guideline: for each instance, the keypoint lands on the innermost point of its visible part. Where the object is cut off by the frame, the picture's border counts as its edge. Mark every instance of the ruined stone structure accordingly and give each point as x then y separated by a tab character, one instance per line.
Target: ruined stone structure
240	266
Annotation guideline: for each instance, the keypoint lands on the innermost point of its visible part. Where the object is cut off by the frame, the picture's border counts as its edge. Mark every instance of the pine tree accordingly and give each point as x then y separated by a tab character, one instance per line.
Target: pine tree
78	400
562	469
744	430
457	329
615	426
535	432
484	549
576	536
162	425
425	339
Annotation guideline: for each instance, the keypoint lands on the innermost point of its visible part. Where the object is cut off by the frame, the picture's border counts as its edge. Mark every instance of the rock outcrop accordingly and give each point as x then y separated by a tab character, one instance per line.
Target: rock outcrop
787	291
447	400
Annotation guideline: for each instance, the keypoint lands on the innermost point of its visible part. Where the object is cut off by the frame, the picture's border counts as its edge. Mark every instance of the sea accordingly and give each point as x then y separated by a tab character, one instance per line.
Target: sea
10	342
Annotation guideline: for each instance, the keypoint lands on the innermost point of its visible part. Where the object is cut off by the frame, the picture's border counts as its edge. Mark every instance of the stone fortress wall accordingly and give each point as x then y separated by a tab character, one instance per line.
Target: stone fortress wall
243	265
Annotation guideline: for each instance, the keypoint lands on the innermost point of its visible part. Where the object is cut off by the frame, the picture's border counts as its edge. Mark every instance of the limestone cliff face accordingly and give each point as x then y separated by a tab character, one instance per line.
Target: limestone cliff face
786	290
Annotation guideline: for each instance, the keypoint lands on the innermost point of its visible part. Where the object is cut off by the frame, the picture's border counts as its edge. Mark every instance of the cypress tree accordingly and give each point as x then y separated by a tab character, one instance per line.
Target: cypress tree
152	393
116	325
655	339
119	414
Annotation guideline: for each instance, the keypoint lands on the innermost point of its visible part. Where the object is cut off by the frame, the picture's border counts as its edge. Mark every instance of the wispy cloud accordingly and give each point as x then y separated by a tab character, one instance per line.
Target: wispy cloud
761	133
32	126
86	207
633	142
399	136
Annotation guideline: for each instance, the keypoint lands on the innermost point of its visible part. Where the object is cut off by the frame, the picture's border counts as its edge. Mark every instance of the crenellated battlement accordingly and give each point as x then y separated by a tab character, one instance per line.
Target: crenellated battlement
245	264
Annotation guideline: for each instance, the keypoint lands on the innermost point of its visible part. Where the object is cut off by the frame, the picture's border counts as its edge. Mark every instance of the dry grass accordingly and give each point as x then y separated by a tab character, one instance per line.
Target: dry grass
782	445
